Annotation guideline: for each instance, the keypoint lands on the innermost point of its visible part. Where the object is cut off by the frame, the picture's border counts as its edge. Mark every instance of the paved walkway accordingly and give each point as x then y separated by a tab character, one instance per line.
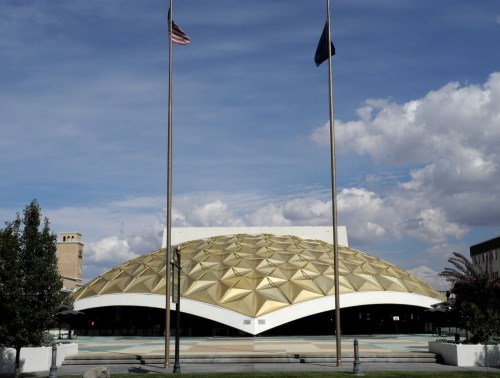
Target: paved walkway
249	345
258	345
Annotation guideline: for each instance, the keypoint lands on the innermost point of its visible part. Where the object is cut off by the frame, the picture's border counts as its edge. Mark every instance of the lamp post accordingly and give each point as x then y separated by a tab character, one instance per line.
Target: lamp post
177	300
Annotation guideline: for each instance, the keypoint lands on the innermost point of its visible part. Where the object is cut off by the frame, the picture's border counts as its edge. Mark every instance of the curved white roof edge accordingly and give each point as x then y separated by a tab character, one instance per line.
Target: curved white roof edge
263	323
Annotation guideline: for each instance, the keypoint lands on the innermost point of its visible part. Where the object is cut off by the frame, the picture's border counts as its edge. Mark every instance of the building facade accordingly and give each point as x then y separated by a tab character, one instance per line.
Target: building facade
487	256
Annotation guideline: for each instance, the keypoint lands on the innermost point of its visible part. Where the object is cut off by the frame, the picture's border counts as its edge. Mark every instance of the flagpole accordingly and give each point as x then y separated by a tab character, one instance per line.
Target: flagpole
334	196
169	194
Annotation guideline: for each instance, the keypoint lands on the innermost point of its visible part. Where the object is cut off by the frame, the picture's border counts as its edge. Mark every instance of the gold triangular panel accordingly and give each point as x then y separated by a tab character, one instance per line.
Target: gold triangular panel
265	271
160	287
415	287
276	281
325	284
93	288
234	294
309	285
233	247
197	286
232	259
298	264
284	274
245	305
273	294
345	286
343	269
146	271
232	281
391	283
156	265
354	267
242	270
110	274
289	290
213	293
270	306
142	284
315	268
363	282
213	275
306	295
396	272
117	285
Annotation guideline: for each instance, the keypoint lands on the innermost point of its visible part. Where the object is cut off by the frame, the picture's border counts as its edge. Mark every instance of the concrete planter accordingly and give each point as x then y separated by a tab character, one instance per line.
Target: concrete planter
467	354
34	359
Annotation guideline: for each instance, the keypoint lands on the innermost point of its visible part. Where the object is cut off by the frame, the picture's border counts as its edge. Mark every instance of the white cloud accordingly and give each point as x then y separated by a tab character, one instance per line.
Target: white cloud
110	249
432	226
367	217
268	215
215	213
450	122
450	138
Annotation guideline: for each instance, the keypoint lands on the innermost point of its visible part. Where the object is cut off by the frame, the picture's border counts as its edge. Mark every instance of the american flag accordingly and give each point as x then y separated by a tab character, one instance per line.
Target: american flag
178	36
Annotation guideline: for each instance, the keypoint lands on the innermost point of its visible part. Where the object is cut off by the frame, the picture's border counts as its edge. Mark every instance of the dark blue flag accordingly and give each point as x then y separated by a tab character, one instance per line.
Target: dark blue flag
322	49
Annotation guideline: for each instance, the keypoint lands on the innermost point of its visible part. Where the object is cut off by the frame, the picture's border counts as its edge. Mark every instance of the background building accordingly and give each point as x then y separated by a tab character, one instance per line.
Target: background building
70	260
486	255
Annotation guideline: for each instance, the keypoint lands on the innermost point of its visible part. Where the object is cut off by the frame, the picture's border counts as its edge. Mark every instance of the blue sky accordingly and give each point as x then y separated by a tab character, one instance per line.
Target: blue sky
83	121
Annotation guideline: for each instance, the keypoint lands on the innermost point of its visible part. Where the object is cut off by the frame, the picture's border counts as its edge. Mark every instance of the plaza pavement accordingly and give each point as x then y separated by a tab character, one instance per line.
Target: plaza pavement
218	347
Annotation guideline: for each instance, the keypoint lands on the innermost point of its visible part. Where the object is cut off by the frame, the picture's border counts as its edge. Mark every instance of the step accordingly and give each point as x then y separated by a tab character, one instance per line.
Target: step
416	357
96	358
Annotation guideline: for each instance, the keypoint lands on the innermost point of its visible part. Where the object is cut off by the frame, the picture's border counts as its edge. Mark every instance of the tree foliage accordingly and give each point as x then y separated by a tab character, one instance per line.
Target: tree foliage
30	284
476	307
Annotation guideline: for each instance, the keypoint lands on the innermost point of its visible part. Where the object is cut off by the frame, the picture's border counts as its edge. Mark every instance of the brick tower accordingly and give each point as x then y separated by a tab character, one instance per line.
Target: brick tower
70	259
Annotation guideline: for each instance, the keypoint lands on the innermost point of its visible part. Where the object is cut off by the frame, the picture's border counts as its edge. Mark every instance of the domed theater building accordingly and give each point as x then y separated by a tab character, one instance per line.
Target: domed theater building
257	281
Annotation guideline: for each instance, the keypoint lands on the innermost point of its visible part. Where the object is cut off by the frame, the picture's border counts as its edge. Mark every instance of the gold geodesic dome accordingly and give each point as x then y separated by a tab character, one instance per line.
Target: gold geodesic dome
257	274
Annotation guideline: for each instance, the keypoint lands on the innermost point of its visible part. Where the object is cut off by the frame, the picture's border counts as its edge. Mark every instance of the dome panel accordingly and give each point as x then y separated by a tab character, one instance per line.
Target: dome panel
160	287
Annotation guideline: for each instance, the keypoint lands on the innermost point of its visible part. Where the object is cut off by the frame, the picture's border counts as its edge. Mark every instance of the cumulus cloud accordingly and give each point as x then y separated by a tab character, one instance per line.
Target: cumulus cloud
450	139
432	226
426	129
109	249
367	217
205	210
270	214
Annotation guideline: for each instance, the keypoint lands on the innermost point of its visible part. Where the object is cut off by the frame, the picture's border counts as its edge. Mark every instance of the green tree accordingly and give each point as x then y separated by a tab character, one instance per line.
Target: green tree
476	307
30	284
